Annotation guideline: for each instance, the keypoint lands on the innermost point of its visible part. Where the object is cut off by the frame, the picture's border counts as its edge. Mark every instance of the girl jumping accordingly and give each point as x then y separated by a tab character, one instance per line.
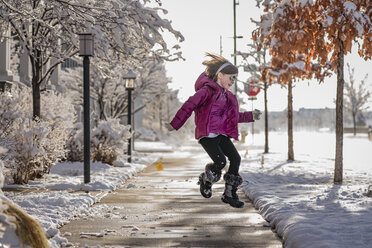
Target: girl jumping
216	118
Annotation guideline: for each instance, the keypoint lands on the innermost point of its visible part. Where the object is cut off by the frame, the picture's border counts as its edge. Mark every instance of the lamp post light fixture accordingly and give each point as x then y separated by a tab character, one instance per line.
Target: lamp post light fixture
86	50
86	44
129	85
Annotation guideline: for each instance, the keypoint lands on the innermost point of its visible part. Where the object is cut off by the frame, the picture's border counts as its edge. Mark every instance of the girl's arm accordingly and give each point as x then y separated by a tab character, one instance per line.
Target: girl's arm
246	116
249	116
192	103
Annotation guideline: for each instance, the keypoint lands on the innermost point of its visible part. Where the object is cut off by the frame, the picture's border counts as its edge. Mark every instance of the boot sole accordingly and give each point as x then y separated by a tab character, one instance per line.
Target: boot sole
200	182
225	201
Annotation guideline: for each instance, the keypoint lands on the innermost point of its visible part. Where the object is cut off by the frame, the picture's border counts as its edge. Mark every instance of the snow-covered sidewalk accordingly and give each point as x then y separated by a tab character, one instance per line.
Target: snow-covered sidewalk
300	200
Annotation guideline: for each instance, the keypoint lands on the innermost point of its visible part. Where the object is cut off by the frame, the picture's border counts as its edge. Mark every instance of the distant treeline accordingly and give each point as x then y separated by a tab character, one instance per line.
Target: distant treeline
311	119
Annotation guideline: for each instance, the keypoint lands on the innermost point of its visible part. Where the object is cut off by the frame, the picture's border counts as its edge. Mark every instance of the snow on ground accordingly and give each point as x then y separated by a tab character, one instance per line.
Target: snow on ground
61	196
299	199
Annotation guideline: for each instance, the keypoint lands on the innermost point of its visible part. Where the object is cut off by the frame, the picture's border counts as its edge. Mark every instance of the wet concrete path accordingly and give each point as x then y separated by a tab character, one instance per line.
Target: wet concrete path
162	207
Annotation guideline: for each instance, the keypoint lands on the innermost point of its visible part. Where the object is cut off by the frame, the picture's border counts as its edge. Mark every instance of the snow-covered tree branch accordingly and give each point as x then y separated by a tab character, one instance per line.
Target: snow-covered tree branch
108	90
356	97
48	32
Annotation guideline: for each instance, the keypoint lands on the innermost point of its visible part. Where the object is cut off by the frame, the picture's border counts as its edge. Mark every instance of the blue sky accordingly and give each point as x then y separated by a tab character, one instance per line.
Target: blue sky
203	22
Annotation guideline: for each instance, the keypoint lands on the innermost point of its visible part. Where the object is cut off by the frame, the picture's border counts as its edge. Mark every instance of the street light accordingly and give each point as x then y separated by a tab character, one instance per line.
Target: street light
86	50
129	85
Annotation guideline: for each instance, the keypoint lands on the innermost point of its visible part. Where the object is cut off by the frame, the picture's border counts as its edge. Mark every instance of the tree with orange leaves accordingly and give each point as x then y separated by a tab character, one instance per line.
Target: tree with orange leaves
307	36
282	69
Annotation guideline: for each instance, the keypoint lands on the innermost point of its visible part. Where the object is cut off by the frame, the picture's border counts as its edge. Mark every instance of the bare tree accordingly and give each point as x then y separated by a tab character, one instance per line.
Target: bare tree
355	99
108	90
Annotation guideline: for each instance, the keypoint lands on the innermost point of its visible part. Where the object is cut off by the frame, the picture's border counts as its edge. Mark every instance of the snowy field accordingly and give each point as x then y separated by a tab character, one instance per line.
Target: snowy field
298	199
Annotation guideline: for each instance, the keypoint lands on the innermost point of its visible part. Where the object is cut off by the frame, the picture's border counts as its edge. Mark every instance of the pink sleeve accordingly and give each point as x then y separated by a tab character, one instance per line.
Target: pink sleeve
246	116
186	110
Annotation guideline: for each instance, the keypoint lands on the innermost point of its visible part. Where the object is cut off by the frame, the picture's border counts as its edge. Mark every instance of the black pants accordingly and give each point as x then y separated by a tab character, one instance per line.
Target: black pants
219	147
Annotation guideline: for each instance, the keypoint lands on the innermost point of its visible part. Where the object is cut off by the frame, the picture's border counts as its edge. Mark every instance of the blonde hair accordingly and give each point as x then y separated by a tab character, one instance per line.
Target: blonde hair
214	63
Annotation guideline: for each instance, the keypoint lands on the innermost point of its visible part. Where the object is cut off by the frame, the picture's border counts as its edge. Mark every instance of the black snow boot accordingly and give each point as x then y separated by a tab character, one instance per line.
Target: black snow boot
231	186
206	179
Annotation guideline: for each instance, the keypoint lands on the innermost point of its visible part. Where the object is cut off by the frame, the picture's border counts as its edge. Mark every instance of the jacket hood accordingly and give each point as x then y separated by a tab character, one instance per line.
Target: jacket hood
203	79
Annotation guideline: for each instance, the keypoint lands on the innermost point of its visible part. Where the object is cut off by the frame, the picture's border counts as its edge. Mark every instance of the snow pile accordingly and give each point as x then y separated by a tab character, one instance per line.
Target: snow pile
54	209
70	176
299	199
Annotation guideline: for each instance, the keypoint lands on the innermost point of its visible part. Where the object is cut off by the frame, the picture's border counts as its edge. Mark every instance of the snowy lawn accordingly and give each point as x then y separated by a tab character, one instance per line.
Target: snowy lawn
60	196
299	198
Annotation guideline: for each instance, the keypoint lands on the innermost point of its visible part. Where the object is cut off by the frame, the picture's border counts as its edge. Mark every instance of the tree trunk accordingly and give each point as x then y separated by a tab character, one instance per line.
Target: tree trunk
102	115
266	120
160	118
354	124
290	123
101	101
339	114
36	78
102	105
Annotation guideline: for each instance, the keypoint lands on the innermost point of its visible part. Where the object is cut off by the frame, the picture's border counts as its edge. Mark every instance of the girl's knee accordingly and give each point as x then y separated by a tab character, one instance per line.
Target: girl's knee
220	163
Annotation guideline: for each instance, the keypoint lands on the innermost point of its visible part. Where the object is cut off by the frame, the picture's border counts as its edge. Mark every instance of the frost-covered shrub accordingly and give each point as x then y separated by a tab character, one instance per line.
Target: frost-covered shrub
26	155
108	140
11	108
75	142
33	145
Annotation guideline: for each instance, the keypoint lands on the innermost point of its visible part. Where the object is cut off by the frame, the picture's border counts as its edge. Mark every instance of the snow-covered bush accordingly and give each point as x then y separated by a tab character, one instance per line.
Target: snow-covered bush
11	108
75	142
33	145
108	140
27	155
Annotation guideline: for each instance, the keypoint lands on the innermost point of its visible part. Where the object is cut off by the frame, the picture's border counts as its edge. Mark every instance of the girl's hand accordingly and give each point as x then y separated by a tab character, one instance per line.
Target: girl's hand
169	127
257	114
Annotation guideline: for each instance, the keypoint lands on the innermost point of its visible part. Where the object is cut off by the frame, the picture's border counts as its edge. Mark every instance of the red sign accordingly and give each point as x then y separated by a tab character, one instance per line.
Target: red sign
251	89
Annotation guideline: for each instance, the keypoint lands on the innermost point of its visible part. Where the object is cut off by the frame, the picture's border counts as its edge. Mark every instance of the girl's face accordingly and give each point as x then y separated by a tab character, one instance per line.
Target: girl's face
226	80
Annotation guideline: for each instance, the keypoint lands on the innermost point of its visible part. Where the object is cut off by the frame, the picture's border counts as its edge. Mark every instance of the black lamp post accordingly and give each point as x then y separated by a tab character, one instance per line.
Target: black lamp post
235	2
129	85
86	50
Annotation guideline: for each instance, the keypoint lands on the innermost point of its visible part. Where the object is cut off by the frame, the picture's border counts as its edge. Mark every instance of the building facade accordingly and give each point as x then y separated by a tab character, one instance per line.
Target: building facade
15	67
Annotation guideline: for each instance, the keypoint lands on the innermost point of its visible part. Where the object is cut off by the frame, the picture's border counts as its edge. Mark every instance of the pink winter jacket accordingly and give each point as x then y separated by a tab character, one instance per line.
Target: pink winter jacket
202	101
